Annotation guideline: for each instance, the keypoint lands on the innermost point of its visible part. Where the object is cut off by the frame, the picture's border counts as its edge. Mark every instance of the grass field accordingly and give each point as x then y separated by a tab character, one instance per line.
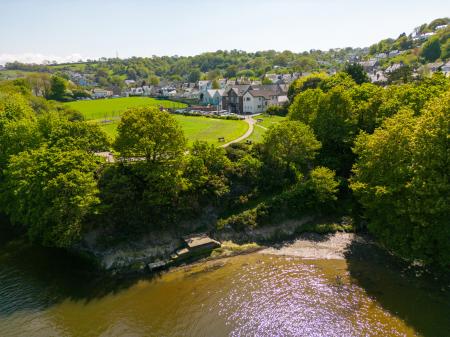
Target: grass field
196	128
261	127
13	74
106	112
113	107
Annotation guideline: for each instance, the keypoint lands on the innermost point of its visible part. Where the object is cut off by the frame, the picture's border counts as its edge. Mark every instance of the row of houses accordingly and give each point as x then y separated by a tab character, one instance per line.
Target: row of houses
247	98
380	76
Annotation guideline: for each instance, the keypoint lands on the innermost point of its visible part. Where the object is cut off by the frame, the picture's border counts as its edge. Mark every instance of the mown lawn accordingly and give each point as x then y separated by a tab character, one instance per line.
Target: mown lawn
113	107
107	112
210	129
195	128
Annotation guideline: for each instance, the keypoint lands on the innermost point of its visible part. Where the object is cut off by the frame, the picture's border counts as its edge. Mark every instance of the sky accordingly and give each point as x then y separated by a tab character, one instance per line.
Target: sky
63	30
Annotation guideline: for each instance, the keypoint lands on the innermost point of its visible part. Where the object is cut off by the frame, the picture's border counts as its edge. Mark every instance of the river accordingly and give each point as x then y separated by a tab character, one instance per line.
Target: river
50	293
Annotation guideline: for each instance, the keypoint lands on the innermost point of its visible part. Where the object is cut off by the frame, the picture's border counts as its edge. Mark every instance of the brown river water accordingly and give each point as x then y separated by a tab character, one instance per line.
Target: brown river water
48	293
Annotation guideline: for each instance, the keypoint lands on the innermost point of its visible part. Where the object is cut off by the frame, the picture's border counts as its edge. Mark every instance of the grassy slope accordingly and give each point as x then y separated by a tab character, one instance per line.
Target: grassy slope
195	128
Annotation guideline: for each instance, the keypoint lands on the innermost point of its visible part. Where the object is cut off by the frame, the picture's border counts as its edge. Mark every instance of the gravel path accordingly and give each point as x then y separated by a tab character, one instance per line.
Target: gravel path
251	124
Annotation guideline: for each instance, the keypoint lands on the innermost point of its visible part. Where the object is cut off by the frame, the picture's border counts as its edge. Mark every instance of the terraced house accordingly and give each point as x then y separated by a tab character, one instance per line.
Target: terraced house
251	99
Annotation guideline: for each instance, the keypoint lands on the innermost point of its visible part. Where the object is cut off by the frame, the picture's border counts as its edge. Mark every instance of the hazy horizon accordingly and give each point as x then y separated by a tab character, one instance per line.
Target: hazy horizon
65	31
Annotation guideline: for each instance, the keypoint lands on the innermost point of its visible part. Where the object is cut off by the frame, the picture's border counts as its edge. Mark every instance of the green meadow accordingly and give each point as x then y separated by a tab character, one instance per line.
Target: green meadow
113	107
107	112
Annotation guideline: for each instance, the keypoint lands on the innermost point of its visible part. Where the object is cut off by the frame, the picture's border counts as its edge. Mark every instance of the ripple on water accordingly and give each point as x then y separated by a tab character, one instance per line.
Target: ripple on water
297	298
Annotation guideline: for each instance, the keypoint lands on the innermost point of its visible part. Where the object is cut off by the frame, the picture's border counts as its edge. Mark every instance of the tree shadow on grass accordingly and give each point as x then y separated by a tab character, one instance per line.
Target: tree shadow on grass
423	302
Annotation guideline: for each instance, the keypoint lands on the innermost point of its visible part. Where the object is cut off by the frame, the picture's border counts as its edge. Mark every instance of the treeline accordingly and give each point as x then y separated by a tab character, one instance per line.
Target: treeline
211	65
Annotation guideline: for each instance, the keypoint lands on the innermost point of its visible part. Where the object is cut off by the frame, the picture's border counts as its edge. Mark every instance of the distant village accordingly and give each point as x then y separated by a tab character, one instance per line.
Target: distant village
244	95
238	96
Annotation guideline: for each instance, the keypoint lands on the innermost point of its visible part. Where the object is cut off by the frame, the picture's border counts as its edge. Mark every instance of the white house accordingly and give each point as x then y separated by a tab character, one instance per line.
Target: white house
257	101
101	93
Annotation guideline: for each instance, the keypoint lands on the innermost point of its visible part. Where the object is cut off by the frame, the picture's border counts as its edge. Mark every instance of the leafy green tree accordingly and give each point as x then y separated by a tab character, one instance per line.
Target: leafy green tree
150	133
77	135
401	180
445	50
206	170
215	84
154	80
367	99
14	106
58	88
340	79
288	149
431	50
335	126
323	185
195	76
312	81
51	193
17	136
231	71
356	71
305	106
404	74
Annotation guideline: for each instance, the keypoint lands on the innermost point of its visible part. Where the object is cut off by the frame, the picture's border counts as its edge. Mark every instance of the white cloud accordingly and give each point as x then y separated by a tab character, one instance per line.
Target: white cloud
40	58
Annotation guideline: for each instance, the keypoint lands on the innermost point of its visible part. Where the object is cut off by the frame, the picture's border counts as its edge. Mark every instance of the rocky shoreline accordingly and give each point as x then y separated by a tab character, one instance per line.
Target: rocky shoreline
286	238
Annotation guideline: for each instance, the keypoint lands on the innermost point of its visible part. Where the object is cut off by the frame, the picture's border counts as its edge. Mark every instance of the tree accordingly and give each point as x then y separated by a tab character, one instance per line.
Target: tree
17	136
288	149
51	193
401	75
76	135
305	106
231	71
14	106
431	49
401	179
150	133
206	169
154	80
445	50
356	71
215	84
303	83
57	88
194	76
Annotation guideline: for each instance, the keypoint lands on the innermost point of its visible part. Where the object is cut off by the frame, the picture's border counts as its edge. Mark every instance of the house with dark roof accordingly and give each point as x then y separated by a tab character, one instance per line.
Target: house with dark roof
369	66
232	99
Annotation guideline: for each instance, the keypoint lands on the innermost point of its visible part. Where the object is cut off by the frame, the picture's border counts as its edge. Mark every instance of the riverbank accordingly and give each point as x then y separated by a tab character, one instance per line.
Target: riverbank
317	246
